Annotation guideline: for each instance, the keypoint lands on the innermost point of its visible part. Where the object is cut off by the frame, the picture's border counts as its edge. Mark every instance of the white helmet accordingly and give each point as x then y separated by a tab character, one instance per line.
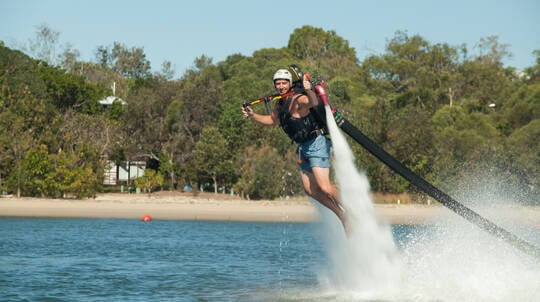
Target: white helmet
283	74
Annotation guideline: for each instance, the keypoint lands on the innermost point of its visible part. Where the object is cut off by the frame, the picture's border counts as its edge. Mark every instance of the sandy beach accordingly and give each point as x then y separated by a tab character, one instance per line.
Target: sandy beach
207	206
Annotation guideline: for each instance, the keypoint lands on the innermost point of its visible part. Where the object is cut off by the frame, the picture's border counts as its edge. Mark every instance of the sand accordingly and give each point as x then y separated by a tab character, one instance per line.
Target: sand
207	206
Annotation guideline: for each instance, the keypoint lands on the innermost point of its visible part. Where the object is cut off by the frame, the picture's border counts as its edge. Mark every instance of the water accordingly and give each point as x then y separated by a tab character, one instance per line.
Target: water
128	260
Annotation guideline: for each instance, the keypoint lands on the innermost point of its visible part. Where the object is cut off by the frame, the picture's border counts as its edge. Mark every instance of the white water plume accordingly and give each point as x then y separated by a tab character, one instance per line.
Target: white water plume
367	260
451	261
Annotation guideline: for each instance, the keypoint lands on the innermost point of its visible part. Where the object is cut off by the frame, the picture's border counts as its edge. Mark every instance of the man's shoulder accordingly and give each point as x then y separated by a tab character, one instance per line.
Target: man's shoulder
301	96
309	96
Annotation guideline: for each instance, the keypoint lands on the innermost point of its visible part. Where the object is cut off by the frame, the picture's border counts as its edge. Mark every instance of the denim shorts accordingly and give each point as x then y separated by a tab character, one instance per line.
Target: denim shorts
315	153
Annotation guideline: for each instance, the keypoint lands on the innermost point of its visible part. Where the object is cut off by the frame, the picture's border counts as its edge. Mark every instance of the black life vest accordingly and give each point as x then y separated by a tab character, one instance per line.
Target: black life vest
304	128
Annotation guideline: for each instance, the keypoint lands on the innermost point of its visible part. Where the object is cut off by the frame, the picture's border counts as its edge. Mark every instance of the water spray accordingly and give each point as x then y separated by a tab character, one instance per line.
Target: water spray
424	185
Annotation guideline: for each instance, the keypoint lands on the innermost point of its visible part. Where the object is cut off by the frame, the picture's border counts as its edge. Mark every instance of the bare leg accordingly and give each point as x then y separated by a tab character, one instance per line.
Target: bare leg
319	187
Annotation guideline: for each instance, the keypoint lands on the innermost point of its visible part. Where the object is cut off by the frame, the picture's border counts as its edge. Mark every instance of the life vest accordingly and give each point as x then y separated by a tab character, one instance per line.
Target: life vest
305	128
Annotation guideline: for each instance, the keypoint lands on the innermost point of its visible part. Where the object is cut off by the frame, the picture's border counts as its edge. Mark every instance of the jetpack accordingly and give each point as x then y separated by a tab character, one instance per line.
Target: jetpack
424	185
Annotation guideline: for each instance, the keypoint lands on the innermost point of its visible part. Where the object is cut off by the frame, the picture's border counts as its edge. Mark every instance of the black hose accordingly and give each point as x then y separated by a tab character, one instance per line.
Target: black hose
434	192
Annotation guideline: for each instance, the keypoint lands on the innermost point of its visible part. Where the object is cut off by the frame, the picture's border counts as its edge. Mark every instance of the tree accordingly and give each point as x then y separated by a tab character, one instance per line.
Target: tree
264	174
415	71
167	70
523	106
411	140
200	93
101	133
492	52
15	142
168	170
524	147
131	63
125	61
461	143
178	145
211	157
44	47
233	130
149	181
534	71
74	176
38	167
67	91
324	50
483	84
68	59
18	77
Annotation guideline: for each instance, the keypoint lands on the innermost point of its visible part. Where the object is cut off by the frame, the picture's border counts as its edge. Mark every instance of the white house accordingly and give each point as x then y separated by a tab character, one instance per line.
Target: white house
116	174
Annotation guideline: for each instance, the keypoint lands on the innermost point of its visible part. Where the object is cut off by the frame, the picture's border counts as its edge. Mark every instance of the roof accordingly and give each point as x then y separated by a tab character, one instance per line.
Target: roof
108	101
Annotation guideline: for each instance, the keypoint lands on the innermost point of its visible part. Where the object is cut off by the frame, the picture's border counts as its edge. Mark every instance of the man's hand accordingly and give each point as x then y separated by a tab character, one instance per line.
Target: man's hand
306	82
247	112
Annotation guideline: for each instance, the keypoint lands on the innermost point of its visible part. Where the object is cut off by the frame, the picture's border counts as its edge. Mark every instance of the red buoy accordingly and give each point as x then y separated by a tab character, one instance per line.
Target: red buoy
146	218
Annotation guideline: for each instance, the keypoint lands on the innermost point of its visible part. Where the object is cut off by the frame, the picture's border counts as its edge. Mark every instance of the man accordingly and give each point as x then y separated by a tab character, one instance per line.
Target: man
298	117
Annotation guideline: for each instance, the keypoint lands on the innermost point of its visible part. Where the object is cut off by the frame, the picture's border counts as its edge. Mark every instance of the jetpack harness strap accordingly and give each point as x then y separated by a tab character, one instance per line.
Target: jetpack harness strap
425	186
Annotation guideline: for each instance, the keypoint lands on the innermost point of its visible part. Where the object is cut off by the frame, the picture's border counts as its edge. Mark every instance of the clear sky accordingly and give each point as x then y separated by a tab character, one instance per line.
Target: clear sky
179	31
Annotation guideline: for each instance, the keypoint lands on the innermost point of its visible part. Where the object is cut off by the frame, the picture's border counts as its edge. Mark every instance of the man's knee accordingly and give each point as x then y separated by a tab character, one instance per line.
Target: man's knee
328	189
307	189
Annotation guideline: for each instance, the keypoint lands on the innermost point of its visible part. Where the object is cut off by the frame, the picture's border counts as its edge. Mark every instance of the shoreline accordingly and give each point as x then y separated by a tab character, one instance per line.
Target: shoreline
209	207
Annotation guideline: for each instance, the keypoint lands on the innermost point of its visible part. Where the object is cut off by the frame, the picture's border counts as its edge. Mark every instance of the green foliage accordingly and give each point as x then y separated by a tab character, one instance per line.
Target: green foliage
484	84
233	130
131	63
15	141
463	141
168	170
66	174
212	158
38	166
457	120
410	138
116	110
67	91
412	63
524	151
17	75
149	181
524	106
324	50
263	174
73	176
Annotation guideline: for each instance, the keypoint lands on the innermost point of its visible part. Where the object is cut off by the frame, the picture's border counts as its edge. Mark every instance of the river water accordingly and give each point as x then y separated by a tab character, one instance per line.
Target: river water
129	260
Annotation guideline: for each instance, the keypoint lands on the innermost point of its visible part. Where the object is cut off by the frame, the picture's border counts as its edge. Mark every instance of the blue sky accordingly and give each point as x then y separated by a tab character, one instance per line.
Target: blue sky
179	31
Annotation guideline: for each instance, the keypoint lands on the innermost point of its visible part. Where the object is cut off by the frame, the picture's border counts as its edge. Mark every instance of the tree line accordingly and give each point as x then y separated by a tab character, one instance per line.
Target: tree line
465	122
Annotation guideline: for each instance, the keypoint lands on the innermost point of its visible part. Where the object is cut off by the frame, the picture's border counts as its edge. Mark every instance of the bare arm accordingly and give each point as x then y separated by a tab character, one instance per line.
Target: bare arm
313	100
263	119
